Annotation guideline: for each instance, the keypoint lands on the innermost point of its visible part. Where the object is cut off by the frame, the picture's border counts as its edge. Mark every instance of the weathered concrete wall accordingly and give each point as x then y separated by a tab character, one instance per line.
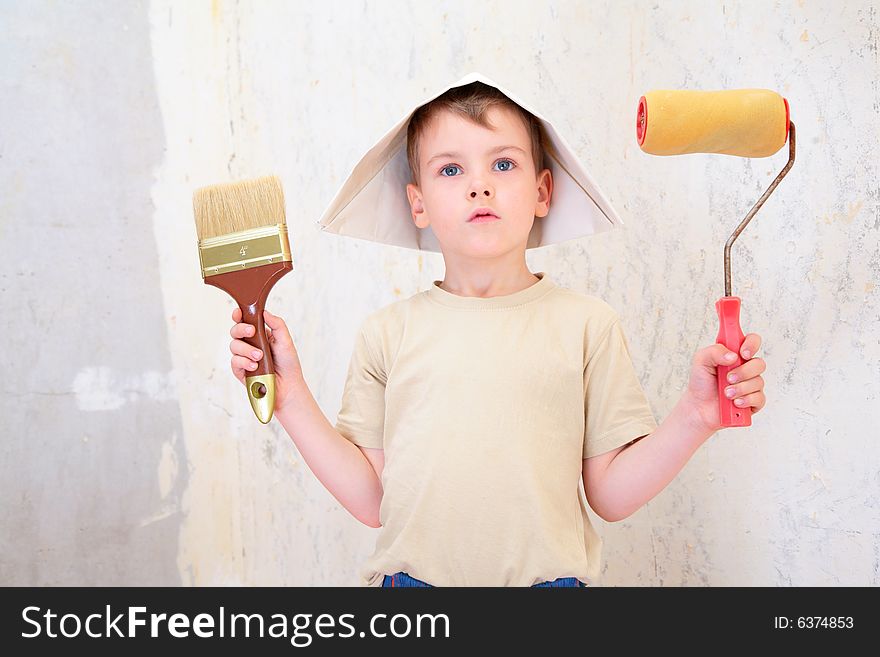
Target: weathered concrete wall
130	454
94	458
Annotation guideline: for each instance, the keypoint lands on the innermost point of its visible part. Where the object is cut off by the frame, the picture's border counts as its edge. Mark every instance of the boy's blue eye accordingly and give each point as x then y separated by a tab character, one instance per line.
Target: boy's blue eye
444	170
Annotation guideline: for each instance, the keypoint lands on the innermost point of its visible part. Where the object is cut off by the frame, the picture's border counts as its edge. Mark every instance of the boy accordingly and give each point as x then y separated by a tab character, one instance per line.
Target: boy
473	410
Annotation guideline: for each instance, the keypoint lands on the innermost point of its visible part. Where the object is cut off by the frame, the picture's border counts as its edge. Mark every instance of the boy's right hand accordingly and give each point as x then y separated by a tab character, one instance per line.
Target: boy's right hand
288	371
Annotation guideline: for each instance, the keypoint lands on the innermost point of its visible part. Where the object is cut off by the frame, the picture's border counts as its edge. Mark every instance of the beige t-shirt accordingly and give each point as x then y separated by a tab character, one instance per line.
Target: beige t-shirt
486	408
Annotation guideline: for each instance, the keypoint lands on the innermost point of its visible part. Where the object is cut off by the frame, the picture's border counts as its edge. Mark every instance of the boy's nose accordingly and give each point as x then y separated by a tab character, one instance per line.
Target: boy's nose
486	192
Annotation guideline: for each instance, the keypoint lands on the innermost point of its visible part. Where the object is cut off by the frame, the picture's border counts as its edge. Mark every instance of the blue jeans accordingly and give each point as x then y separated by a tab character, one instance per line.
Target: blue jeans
402	579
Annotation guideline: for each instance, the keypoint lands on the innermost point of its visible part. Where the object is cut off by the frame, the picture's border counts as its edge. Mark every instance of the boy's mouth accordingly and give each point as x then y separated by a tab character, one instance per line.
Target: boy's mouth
482	215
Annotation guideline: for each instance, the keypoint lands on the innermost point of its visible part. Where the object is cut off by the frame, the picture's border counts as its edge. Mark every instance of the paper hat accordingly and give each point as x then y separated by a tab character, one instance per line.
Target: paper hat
372	204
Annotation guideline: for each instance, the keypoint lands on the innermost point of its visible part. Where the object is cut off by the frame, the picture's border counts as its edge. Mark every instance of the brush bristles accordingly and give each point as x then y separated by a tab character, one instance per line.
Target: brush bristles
233	207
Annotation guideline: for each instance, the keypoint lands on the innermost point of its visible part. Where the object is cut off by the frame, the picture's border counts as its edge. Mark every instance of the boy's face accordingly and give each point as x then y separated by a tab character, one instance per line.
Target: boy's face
462	169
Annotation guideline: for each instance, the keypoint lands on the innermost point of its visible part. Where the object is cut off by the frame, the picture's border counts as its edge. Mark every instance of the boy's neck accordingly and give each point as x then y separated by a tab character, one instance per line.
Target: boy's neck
482	279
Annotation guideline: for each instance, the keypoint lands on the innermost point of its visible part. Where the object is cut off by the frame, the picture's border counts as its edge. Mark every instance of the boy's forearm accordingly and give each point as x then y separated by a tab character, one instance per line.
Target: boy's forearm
643	469
337	462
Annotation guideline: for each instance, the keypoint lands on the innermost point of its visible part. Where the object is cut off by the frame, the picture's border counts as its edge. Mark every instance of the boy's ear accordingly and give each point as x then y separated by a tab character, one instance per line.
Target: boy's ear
417	208
545	192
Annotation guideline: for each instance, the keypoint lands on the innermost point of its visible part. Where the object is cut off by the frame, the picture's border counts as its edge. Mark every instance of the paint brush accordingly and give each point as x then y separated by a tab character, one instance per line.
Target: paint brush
244	250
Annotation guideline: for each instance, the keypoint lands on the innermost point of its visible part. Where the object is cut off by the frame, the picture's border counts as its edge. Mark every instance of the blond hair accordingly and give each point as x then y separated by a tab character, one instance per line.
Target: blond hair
471	101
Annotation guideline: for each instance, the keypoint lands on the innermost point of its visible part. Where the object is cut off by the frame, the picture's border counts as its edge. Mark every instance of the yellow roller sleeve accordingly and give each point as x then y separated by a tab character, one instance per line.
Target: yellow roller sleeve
744	122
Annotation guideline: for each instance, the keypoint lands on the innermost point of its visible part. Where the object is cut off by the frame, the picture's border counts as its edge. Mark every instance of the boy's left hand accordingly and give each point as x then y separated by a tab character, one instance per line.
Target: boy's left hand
702	390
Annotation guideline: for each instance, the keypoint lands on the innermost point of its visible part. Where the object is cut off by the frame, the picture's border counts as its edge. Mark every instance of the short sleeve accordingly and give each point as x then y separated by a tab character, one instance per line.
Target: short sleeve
616	411
361	416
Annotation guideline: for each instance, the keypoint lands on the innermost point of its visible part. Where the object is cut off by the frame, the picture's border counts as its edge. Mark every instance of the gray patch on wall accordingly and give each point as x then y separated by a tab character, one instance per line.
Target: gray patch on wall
84	498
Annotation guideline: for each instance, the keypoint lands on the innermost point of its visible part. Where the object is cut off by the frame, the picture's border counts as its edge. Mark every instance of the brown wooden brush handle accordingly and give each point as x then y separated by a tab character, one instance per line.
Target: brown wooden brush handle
250	288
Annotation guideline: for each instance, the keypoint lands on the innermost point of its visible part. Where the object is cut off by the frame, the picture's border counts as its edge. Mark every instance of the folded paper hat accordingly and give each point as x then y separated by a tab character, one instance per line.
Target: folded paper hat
372	204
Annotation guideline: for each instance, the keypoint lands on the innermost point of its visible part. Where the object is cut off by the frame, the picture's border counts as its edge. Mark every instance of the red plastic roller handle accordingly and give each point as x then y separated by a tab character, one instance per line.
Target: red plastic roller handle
731	336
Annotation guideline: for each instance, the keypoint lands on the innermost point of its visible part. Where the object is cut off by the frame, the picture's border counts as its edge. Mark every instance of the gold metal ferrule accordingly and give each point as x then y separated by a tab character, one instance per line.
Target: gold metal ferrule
244	249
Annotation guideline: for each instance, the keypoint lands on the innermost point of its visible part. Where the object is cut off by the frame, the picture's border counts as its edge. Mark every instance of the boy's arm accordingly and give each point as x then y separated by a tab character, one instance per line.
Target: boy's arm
376	457
351	475
618	483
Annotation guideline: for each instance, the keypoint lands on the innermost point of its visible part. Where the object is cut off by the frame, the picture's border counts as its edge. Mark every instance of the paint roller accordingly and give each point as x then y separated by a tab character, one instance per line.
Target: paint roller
742	122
